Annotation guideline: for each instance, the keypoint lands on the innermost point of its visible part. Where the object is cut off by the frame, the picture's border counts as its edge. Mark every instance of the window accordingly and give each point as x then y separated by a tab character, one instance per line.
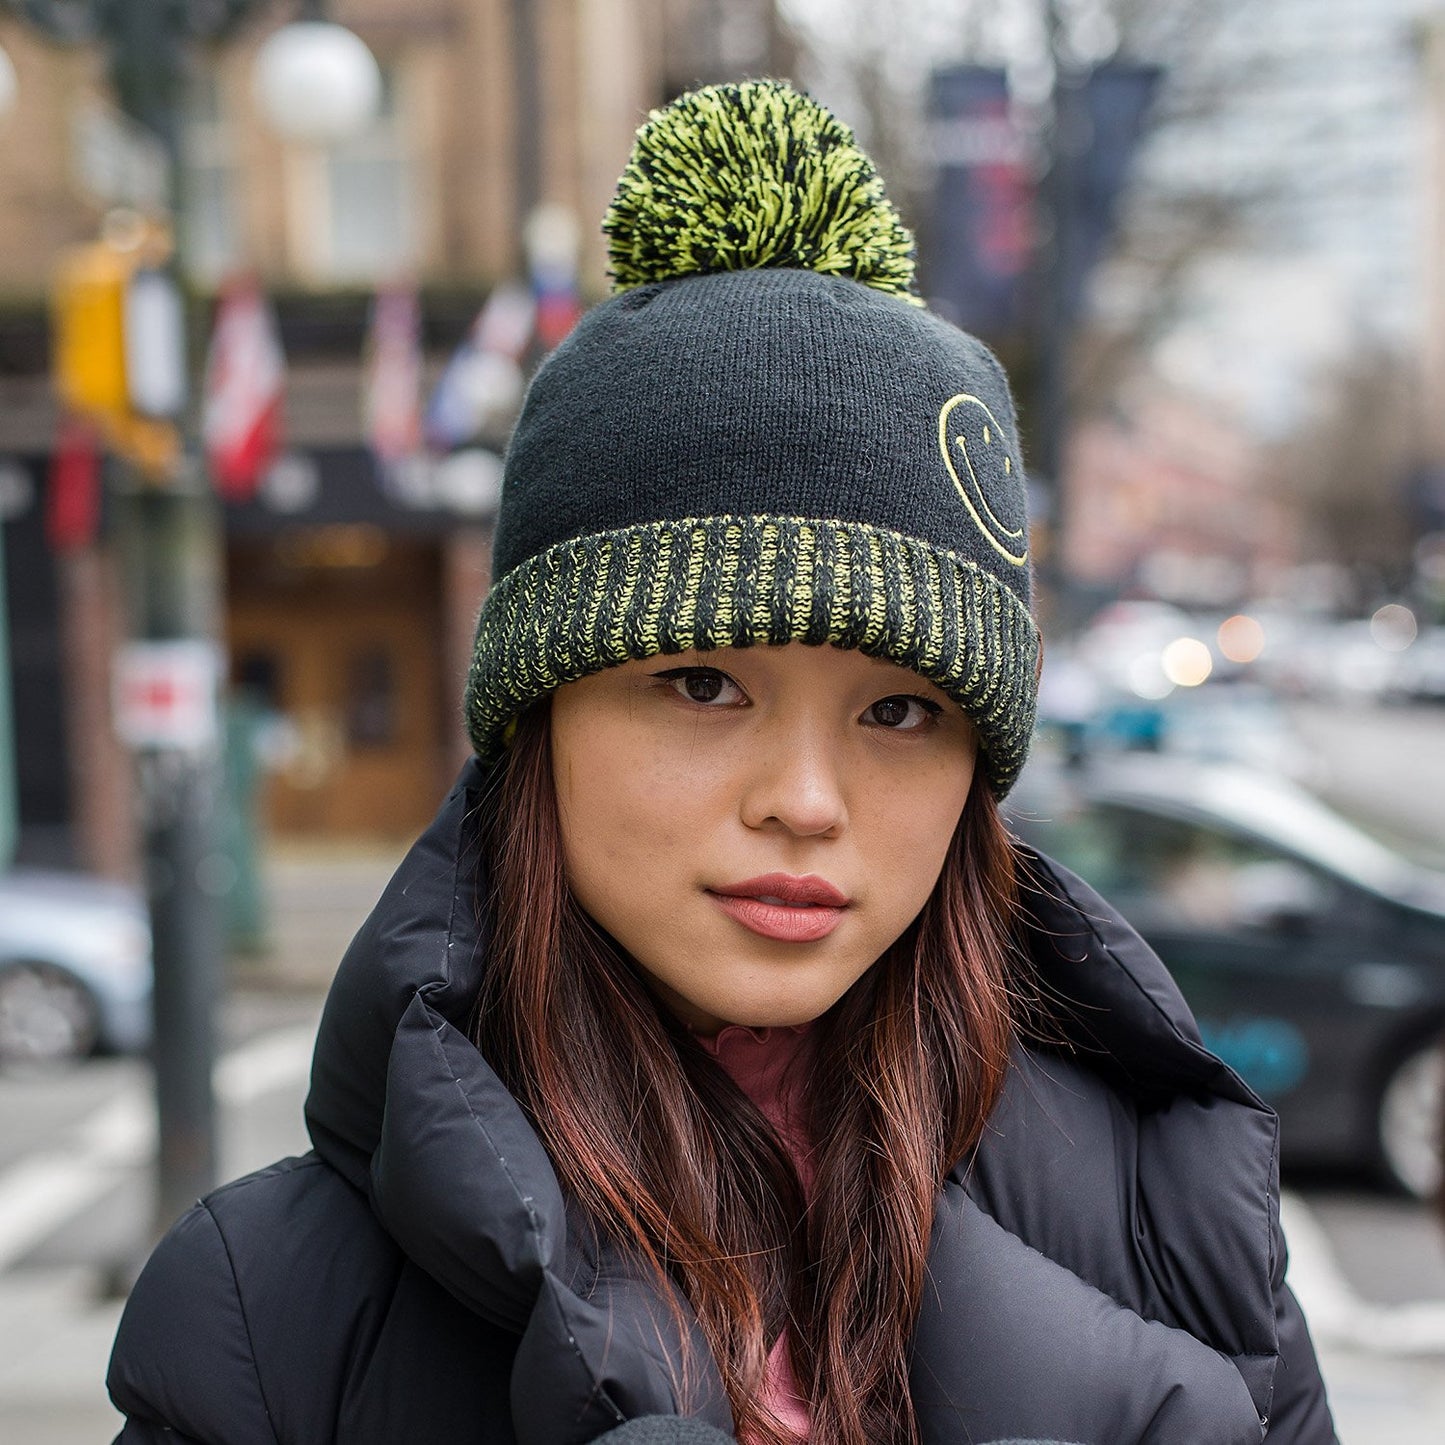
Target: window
353	208
370	699
1165	871
257	674
212	237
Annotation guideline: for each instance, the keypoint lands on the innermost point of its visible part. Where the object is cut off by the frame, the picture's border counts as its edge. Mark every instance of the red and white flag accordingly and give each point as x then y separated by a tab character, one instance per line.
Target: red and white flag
391	388
244	390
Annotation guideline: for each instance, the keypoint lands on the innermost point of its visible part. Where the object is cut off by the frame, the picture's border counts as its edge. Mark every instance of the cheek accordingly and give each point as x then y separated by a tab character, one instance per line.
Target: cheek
625	823
909	839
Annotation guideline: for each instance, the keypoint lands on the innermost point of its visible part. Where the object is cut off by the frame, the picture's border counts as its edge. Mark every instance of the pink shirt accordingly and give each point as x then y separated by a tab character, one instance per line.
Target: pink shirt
757	1062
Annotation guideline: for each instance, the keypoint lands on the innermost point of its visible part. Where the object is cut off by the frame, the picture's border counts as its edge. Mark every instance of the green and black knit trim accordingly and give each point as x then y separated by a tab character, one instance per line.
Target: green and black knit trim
595	601
748	176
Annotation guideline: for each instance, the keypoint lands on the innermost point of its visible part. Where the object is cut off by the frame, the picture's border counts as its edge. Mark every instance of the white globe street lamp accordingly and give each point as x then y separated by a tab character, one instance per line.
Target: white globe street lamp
317	82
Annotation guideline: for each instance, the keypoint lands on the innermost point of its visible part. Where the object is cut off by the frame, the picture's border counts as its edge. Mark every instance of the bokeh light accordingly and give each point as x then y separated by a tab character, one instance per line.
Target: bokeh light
1186	662
1393	627
1146	678
1241	638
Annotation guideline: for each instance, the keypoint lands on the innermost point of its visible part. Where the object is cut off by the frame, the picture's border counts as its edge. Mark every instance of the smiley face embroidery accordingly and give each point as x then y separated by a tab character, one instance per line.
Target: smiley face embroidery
968	430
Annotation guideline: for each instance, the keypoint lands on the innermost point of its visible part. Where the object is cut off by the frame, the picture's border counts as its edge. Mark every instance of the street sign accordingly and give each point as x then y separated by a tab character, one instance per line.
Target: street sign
164	693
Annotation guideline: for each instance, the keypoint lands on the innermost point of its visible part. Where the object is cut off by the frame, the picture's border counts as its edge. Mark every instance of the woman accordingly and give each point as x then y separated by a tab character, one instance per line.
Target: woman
715	1062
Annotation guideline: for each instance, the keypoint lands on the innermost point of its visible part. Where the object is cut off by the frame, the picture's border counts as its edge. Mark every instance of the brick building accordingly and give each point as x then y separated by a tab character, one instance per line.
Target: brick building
348	612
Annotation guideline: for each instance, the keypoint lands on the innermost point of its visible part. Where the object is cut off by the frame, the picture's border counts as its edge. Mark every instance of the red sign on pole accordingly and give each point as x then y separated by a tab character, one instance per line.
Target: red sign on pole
165	694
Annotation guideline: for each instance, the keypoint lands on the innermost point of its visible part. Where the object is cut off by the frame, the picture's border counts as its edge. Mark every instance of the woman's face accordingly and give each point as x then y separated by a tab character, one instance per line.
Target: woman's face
755	826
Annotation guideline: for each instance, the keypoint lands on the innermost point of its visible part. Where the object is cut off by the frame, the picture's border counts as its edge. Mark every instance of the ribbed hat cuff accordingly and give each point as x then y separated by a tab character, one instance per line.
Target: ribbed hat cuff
735	581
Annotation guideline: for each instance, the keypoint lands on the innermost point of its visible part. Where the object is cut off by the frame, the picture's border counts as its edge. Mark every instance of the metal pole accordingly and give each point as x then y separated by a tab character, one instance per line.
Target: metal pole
9	803
1054	323
528	150
166	538
170	541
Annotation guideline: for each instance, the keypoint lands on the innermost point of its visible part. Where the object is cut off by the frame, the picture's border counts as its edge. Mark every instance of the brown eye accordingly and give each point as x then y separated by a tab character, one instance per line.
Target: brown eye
903	713
703	685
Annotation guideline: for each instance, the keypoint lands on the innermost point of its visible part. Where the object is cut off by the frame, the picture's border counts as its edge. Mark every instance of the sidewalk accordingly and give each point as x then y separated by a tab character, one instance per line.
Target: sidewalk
57	1335
1381	1399
318	896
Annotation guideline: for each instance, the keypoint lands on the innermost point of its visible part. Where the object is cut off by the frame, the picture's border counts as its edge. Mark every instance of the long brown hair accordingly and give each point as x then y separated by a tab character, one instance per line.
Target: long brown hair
669	1157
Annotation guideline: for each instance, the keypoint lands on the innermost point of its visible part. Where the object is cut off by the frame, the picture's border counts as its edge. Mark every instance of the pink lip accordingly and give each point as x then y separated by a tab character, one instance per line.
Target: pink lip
799	910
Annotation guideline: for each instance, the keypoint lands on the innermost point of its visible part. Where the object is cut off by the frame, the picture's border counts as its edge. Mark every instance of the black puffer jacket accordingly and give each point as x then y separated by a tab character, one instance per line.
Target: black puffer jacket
1108	1270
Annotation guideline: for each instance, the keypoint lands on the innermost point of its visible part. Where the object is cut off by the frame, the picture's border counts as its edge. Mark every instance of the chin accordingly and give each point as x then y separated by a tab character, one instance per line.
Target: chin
769	1013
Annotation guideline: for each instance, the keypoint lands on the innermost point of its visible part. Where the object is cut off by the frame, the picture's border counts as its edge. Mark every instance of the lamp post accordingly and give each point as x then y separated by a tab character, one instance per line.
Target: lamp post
1053	324
170	535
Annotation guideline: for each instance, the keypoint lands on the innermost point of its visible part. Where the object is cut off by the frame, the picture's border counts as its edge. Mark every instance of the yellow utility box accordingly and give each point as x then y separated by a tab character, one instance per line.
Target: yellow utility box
93	355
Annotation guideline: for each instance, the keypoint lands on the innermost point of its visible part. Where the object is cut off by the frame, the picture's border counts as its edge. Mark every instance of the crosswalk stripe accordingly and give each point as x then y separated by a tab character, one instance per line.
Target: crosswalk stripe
1337	1314
42	1192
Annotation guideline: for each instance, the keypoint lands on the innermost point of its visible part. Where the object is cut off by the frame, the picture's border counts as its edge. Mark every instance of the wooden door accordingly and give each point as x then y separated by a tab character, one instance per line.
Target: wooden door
348	664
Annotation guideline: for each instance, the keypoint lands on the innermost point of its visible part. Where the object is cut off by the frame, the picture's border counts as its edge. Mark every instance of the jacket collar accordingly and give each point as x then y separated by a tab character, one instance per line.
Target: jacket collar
1104	994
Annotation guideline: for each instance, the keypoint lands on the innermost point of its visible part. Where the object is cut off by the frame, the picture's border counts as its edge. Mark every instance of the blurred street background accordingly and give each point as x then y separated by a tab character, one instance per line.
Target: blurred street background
273	275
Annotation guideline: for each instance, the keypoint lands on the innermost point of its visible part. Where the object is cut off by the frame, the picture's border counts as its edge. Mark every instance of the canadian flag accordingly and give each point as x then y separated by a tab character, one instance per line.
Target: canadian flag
391	396
244	389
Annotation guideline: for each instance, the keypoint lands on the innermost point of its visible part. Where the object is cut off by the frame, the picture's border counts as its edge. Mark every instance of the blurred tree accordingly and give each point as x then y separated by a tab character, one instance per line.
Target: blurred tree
1348	471
1274	126
871	63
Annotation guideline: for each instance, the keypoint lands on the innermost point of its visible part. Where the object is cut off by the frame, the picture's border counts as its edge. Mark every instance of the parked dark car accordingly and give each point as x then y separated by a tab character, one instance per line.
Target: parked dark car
1312	956
75	967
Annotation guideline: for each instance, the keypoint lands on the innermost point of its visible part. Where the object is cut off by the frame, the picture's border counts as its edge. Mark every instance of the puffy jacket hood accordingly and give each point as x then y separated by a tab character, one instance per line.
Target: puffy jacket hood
406	1109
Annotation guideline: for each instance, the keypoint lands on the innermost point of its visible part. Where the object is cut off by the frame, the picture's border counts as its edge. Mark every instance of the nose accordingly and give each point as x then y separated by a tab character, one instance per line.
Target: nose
795	784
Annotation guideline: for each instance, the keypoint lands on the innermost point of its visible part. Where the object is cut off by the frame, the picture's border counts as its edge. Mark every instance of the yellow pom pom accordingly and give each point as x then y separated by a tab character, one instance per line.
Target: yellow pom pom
740	177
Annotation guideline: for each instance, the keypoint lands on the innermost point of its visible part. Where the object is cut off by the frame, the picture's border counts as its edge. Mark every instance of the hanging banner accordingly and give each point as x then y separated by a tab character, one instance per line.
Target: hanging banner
979	250
72	485
979	260
483	381
244	391
553	244
392	379
1108	110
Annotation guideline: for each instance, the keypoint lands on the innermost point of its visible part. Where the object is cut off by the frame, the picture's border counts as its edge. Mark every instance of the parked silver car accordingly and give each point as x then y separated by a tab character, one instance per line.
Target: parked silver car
75	967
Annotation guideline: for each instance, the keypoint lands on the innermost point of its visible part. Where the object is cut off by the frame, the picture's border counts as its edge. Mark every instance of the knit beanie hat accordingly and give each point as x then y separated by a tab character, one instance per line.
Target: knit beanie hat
762	437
